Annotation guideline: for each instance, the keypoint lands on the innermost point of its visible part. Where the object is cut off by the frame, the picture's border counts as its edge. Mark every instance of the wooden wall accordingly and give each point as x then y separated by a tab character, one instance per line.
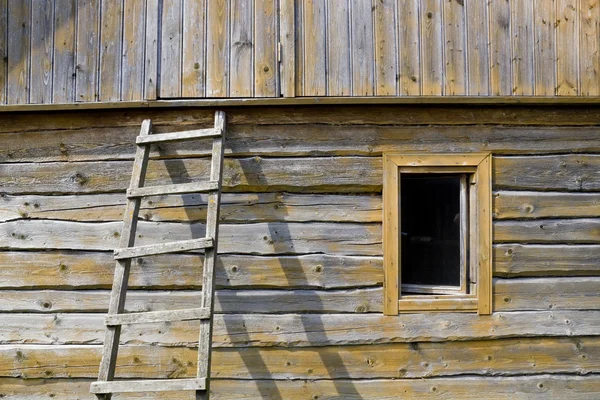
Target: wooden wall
65	51
299	298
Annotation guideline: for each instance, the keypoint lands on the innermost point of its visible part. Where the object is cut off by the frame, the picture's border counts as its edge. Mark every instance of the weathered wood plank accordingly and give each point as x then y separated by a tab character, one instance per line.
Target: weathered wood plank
89	144
152	39
86	68
171	48
217	48
313	32
194	49
521	29
454	48
518	294
63	80
3	51
544	57
261	238
386	40
546	260
287	33
409	360
500	49
362	48
409	45
581	230
589	48
567	45
310	330
536	387
339	79
111	50
42	45
132	60
19	51
432	48
241	56
161	385
526	205
265	49
478	66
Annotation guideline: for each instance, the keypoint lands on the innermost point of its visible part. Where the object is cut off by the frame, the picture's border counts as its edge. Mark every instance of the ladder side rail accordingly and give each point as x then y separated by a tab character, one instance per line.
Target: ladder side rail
208	281
121	275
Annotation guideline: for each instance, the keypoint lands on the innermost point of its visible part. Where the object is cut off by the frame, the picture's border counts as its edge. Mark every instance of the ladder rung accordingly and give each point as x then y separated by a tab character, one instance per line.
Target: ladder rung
181	188
160	385
178	136
154	249
157	316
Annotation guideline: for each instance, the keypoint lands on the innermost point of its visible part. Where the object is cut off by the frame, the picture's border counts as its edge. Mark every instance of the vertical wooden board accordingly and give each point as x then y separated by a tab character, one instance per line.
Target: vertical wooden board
314	48
86	70
484	239
500	52
3	49
409	57
567	47
299	33
432	48
338	48
151	56
589	47
111	33
241	56
391	232
544	59
19	45
42	45
362	48
265	48
454	48
521	12
171	45
134	42
478	79
217	51
63	82
194	48
287	61
386	57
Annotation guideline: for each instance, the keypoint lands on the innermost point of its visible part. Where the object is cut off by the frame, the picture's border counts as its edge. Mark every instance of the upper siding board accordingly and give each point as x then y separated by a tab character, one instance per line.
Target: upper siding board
66	51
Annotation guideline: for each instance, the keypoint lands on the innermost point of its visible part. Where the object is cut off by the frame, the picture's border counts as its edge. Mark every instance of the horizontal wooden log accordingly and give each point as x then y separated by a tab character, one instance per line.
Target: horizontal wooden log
511	260
235	207
508	295
535	387
193	118
564	172
94	270
316	174
312	330
582	230
260	238
528	205
399	360
117	143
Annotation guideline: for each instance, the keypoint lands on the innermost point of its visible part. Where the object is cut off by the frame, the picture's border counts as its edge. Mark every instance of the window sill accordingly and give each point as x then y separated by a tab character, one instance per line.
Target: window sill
454	303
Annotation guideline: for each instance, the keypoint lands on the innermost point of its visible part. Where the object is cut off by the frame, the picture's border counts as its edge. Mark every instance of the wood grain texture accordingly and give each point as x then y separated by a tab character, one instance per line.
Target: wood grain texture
522	27
339	78
478	73
526	205
589	47
134	43
455	60
217	48
386	42
287	34
498	357
42	45
3	51
567	40
296	331
314	68
63	86
152	40
545	51
581	230
362	43
19	51
409	42
265	49
193	78
171	49
87	63
111	49
432	45
500	49
241	55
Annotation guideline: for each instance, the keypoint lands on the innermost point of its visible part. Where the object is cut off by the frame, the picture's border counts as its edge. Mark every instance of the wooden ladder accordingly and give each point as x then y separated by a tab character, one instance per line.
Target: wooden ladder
106	385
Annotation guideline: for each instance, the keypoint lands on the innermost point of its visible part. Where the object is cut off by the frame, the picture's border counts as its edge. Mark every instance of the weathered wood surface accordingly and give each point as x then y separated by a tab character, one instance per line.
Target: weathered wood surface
114	143
399	360
526	205
312	330
535	387
581	230
518	294
42	49
316	174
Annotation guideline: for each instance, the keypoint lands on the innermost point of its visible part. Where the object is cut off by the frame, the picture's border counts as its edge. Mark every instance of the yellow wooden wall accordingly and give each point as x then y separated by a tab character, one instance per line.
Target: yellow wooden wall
64	51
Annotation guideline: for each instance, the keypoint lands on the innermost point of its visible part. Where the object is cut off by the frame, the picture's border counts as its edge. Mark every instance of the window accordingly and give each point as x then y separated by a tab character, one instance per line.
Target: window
437	232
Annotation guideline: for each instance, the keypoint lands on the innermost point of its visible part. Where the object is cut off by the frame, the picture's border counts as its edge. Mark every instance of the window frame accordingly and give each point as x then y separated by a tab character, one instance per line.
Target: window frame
478	167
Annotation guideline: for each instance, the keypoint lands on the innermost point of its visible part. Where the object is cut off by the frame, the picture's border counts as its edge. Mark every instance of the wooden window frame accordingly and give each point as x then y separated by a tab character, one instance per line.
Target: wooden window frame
478	166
